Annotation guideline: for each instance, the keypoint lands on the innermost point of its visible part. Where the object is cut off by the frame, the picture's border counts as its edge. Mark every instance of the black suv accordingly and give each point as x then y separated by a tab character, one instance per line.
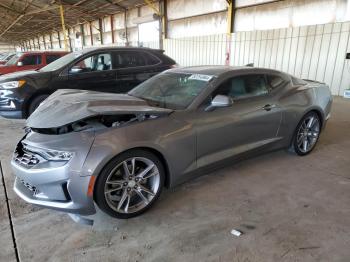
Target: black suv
116	70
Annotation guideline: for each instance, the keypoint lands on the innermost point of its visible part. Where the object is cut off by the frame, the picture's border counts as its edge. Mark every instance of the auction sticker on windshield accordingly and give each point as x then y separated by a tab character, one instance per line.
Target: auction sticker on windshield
201	77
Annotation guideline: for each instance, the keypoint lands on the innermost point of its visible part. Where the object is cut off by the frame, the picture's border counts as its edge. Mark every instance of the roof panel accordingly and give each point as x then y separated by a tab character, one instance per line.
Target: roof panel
21	20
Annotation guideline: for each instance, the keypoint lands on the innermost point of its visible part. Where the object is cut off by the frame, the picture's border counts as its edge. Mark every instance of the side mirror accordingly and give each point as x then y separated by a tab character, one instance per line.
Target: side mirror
220	101
19	63
75	69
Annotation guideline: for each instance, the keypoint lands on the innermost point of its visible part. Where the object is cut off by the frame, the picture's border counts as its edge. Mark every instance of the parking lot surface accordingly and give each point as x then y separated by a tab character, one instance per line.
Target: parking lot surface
289	208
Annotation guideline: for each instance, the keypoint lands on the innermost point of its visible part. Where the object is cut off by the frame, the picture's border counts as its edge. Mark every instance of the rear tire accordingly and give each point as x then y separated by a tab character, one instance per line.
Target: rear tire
129	184
306	134
35	103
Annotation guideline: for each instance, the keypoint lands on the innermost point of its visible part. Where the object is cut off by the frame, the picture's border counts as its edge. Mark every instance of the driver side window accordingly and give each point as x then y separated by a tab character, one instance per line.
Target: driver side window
243	86
98	62
31	60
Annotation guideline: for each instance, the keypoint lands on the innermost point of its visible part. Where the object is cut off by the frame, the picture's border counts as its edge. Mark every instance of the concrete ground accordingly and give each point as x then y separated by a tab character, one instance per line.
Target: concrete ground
290	208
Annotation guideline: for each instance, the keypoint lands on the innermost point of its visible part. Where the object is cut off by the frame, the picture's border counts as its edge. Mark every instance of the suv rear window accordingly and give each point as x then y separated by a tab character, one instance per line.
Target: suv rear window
51	58
151	59
130	59
31	60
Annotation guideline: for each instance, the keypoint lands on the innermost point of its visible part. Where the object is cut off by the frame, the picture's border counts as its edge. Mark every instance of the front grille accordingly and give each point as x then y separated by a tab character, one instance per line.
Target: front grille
4	102
26	158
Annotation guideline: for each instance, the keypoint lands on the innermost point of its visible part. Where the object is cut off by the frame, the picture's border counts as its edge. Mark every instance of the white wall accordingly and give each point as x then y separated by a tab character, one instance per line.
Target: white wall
200	25
196	17
200	50
241	3
314	52
207	17
5	47
184	8
308	38
290	13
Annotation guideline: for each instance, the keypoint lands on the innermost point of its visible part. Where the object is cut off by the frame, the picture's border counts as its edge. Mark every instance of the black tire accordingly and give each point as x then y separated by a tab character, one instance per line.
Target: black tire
295	146
99	189
36	101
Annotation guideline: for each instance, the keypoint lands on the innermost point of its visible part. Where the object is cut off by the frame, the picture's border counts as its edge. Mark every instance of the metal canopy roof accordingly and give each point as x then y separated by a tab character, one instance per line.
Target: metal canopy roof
24	19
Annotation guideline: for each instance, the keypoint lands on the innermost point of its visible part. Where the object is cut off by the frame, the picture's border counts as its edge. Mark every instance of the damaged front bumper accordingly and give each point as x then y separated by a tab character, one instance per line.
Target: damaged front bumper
10	104
56	164
54	184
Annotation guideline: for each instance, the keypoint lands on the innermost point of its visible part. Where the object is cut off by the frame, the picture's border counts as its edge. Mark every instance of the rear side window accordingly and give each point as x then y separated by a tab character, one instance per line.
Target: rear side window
298	81
130	59
31	60
243	86
51	58
275	81
151	59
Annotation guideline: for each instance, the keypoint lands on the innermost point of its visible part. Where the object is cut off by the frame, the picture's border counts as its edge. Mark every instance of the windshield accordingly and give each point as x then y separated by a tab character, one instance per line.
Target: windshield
171	90
57	64
13	59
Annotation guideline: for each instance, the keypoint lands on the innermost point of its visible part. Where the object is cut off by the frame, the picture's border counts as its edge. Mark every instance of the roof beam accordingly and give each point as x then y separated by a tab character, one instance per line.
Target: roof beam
42	10
80	2
32	15
17	19
116	4
11	25
10	9
78	9
153	6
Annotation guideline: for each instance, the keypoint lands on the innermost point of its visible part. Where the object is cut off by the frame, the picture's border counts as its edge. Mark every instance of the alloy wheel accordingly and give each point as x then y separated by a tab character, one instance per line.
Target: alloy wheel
308	133
132	185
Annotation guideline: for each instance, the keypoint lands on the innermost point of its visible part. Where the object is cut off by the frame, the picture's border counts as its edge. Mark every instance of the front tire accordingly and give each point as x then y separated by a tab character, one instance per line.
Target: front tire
130	184
35	103
307	134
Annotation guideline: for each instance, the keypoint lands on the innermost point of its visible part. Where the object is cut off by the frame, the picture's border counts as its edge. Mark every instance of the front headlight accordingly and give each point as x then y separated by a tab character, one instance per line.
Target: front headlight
48	154
54	155
12	84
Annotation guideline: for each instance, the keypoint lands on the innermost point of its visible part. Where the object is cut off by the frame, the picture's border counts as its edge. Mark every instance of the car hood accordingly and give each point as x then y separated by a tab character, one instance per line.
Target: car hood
68	106
15	75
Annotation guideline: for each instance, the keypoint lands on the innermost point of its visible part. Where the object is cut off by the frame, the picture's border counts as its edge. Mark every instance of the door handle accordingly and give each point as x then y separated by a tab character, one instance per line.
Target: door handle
268	107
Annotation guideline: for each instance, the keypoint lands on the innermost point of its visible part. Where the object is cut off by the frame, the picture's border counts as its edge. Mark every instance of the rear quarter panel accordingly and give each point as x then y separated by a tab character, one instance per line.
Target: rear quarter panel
298	101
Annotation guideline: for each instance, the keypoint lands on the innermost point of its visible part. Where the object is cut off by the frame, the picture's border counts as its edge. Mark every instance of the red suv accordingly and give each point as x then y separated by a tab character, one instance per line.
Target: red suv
30	61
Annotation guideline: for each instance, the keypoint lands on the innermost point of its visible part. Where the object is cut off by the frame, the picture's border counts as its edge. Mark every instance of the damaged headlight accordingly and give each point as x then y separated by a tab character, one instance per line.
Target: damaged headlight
12	84
57	155
48	154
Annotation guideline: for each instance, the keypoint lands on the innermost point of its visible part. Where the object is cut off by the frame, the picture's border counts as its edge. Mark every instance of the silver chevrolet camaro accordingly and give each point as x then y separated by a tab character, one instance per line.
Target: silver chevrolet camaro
119	150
